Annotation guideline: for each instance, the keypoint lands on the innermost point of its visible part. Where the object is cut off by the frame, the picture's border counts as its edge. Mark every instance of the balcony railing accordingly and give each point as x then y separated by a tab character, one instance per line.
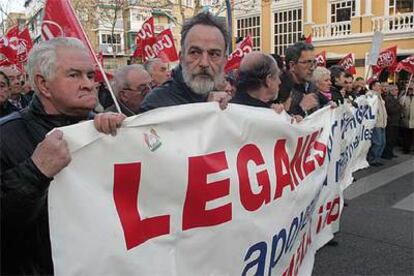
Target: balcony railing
399	22
339	29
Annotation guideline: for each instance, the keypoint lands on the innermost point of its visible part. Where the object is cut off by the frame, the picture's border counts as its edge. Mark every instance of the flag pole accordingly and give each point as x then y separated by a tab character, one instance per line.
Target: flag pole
402	98
368	72
408	84
108	84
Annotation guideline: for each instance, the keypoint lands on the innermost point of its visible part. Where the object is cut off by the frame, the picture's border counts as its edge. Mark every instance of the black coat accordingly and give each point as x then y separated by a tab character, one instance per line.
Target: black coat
25	243
336	94
6	108
244	98
288	88
394	109
172	92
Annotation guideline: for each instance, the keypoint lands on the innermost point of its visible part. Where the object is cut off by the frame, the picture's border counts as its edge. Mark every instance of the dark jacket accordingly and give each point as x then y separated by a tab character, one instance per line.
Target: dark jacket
104	96
25	243
6	108
172	92
244	98
24	101
297	91
336	94
394	109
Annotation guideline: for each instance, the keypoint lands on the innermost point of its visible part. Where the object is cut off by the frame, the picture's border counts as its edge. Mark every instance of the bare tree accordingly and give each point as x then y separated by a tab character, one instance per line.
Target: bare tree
87	15
109	14
241	5
5	17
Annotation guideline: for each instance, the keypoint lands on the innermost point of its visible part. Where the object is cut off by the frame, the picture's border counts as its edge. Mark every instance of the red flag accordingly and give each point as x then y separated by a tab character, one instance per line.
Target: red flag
348	63
8	46
308	39
406	64
163	47
13	32
144	36
24	46
7	50
321	59
60	20
100	57
386	59
234	59
99	77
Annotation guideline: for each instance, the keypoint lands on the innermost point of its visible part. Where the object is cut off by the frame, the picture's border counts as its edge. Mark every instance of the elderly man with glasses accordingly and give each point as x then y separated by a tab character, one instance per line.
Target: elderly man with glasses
297	91
131	84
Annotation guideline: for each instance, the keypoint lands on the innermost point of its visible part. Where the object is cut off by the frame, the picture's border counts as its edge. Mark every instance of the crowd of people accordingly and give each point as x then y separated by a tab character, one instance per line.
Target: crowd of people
60	90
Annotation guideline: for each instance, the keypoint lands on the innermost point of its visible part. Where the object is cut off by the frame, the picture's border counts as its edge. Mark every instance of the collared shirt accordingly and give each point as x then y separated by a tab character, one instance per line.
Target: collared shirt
16	103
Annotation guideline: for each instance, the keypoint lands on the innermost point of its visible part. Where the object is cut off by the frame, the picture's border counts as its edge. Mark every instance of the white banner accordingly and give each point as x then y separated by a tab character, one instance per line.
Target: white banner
194	190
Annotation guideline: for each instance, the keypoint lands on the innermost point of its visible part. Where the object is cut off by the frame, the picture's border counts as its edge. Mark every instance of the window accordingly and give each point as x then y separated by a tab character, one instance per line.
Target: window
342	10
287	29
207	2
107	40
188	3
250	26
400	6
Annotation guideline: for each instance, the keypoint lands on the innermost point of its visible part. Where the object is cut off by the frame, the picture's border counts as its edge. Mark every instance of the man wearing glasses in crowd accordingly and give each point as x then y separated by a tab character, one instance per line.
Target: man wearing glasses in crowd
296	90
131	84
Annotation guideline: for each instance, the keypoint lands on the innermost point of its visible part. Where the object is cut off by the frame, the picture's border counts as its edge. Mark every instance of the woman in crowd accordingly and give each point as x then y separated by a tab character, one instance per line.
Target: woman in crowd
322	79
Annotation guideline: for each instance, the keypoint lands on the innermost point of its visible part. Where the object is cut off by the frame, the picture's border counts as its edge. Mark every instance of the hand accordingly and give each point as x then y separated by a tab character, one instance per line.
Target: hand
108	122
333	104
308	102
278	108
52	154
221	97
296	118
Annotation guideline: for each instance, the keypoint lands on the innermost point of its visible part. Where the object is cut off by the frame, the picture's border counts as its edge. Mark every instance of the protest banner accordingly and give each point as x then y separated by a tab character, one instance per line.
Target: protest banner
374	53
194	190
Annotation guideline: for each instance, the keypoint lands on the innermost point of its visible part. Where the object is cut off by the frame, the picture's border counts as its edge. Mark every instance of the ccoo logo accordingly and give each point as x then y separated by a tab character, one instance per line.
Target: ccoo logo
51	29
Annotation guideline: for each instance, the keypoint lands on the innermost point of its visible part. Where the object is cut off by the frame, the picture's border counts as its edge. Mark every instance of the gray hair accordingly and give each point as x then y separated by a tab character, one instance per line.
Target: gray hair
120	81
150	63
319	73
42	58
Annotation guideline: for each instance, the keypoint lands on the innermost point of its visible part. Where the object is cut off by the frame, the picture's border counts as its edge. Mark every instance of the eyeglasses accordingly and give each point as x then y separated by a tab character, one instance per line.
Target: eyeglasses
308	62
141	90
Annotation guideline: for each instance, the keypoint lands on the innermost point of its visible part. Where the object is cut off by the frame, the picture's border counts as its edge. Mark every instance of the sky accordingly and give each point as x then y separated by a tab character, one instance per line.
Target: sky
12	5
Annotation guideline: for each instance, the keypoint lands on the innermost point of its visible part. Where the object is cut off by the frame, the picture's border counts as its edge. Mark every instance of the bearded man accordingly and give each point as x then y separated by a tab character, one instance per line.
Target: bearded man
204	42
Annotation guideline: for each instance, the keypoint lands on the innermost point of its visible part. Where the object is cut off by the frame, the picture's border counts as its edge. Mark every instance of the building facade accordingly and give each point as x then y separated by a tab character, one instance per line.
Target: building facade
337	26
112	26
12	19
348	26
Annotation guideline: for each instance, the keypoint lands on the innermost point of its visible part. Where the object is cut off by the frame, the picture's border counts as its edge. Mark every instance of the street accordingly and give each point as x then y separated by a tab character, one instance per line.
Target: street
376	235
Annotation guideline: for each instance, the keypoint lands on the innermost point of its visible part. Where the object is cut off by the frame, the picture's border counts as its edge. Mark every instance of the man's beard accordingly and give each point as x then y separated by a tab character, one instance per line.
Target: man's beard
201	83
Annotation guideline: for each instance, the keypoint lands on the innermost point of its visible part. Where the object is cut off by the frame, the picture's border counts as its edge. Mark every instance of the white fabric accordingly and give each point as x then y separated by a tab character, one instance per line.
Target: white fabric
86	231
